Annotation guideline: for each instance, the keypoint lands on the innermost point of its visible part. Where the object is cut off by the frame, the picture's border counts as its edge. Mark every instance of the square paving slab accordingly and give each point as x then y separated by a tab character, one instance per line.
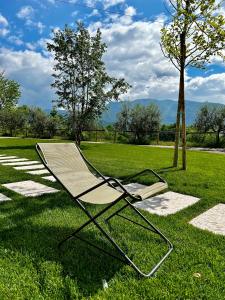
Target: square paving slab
30	188
7	157
21	163
51	178
167	203
13	160
34	167
38	172
212	220
4	198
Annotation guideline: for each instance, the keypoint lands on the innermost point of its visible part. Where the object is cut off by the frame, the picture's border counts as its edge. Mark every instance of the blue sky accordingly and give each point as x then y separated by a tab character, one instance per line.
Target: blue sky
131	29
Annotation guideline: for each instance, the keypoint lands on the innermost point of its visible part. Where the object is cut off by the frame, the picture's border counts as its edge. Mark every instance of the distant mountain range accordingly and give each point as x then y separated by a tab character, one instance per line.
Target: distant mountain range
168	109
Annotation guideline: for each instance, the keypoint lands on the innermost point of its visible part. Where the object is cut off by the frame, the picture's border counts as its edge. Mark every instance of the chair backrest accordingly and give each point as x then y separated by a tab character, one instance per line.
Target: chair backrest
63	157
66	163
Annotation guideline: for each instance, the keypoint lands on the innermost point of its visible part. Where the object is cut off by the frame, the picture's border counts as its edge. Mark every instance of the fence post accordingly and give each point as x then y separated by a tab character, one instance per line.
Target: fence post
158	133
115	136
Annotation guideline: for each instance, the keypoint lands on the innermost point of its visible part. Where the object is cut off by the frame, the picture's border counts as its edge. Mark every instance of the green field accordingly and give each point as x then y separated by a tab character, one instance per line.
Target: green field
31	267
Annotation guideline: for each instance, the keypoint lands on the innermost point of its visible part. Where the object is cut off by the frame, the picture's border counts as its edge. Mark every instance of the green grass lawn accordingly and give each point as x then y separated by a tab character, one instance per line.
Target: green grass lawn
31	267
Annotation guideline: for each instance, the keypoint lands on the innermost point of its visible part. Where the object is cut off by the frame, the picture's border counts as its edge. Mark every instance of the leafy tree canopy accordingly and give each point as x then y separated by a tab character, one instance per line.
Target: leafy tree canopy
81	82
9	92
198	22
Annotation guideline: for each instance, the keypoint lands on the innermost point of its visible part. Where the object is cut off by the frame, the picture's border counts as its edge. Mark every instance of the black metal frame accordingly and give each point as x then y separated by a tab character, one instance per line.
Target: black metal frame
129	199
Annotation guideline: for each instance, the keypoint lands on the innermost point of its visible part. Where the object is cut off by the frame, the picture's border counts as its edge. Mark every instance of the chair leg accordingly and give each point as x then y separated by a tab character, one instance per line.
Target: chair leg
126	259
91	218
116	212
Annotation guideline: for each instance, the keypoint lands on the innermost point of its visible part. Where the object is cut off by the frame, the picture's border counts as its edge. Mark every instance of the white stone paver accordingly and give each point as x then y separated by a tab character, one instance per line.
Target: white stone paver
13	160
51	178
4	198
212	220
34	167
22	163
2	155
167	203
7	157
30	188
38	172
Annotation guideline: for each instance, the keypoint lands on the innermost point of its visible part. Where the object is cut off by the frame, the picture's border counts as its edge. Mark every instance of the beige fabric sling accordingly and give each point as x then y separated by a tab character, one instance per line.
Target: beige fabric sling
68	166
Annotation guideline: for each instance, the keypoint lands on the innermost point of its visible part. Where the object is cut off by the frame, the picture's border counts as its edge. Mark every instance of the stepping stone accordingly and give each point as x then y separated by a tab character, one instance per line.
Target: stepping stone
4	198
2	155
13	160
38	172
212	220
51	178
30	188
34	167
167	203
7	157
20	163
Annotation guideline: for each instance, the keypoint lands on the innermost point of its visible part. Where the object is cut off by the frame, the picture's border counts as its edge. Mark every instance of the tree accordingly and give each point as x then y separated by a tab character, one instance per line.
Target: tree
123	118
211	118
9	92
38	121
12	119
204	119
141	120
194	35
82	84
54	122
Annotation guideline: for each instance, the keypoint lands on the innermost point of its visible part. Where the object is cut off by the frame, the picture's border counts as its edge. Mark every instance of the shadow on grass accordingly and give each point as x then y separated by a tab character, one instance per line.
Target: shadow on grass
32	229
169	170
81	262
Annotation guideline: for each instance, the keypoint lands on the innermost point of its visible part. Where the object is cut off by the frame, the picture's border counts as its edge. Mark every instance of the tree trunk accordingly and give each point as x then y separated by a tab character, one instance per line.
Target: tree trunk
181	109
177	134
182	100
184	154
218	137
78	136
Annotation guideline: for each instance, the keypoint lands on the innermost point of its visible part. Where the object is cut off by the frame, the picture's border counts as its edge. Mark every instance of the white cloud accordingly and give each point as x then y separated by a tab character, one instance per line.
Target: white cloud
26	12
94	13
108	3
210	88
40	26
130	11
134	53
15	40
91	3
3	21
74	13
4	30
33	72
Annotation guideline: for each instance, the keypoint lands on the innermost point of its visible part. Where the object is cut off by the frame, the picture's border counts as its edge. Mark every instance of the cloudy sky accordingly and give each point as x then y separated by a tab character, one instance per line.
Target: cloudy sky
131	29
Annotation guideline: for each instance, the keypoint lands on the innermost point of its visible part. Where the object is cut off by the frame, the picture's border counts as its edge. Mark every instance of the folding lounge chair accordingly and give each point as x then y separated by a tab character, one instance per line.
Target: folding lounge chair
68	165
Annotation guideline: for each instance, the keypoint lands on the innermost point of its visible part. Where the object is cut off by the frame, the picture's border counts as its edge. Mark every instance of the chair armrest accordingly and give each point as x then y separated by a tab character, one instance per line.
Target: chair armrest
143	172
105	181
